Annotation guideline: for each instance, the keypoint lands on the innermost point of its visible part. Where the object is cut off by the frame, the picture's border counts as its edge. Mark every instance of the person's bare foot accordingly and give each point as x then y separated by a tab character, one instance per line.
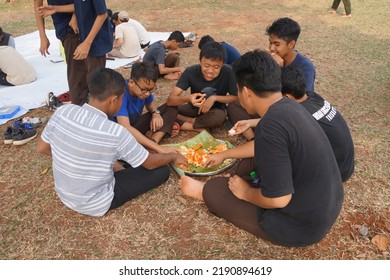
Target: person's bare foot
175	129
191	187
331	11
347	16
173	76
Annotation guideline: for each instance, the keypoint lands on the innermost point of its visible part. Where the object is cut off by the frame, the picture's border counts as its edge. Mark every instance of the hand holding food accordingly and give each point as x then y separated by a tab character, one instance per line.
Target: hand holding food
198	155
232	132
198	150
242	126
209	102
181	161
214	160
197	99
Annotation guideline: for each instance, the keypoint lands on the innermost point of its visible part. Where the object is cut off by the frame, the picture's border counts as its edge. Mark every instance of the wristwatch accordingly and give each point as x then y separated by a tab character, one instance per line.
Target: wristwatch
157	111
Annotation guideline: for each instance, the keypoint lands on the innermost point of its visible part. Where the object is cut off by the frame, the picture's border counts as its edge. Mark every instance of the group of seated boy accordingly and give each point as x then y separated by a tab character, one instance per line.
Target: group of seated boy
106	152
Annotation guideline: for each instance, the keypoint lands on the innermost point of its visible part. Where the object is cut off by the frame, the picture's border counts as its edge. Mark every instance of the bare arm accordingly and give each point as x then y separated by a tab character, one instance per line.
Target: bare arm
48	10
242	190
209	102
73	24
166	70
175	98
82	50
142	139
43	147
157	160
246	150
243	125
44	41
225	98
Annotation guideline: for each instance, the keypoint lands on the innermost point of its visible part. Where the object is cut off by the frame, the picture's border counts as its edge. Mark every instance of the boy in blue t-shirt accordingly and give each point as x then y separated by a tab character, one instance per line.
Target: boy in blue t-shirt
149	128
283	35
231	53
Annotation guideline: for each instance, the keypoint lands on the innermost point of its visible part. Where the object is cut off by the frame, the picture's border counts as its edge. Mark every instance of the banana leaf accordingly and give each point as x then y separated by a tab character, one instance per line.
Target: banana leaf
208	142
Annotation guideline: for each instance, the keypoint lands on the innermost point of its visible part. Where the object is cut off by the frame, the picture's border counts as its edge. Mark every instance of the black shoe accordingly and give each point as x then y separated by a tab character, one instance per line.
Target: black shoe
8	139
52	102
186	44
23	134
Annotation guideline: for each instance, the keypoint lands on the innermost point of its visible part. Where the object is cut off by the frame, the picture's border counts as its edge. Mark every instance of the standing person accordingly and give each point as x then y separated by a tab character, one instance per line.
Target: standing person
14	69
231	52
212	86
283	35
298	193
330	119
148	128
347	7
6	39
85	147
167	65
126	43
95	35
66	29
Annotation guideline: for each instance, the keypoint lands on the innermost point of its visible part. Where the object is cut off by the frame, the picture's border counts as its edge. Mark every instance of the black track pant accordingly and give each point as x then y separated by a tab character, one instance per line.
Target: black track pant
132	182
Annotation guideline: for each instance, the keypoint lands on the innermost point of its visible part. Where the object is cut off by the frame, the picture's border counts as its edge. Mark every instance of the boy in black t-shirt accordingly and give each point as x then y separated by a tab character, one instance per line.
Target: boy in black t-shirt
330	120
210	81
300	193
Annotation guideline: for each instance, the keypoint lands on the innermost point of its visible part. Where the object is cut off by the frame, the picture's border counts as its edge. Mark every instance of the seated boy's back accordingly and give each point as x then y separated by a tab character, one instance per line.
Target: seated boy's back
330	119
85	145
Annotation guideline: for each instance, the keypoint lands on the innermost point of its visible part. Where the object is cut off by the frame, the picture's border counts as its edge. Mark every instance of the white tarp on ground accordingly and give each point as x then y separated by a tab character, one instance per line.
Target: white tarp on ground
50	76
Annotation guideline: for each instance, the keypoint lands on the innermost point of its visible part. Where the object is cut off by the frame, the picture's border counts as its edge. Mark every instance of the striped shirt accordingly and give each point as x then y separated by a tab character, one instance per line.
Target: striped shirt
85	146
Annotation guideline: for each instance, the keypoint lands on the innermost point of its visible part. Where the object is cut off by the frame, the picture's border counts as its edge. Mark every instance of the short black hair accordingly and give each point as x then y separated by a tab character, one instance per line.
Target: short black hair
259	72
109	13
293	81
213	50
285	28
104	82
1	31
177	36
115	16
204	40
144	70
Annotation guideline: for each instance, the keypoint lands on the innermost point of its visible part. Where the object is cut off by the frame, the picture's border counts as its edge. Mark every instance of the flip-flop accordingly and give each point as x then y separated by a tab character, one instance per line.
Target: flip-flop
175	129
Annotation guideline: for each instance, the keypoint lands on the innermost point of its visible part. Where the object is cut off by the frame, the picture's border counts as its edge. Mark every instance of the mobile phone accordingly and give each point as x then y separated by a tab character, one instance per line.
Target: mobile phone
209	91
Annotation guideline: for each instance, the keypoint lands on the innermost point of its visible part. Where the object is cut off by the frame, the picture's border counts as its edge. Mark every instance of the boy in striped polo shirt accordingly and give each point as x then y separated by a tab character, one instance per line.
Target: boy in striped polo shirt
86	146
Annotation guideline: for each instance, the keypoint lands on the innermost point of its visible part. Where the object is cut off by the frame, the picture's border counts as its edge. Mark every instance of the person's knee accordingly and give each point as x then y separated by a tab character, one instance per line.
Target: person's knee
172	60
170	110
212	192
234	112
231	108
217	118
